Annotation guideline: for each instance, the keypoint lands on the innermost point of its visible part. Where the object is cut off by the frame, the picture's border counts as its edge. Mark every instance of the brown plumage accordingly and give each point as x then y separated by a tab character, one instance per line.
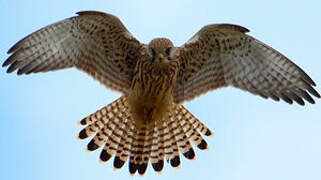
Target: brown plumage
148	123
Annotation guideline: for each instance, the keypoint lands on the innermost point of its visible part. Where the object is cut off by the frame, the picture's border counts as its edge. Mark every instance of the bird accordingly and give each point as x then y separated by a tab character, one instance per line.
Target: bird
148	124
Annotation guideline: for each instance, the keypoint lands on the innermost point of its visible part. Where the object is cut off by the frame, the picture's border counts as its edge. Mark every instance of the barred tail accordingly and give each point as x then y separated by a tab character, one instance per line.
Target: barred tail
117	133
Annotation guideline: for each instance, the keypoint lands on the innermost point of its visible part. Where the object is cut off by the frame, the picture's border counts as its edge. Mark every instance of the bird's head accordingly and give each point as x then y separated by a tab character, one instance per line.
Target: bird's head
161	50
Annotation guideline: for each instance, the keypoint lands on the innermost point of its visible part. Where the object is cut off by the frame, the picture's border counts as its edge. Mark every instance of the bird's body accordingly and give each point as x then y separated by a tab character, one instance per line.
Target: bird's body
151	95
148	123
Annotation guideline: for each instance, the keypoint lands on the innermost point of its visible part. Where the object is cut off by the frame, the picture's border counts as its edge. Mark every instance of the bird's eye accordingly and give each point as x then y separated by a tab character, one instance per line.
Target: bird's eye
168	51
152	52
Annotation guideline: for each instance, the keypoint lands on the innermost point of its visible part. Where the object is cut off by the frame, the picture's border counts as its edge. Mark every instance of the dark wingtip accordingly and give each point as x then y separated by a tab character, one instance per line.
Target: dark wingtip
312	82
158	167
312	101
9	70
302	103
286	98
83	134
307	78
298	100
14	65
80	12
21	71
5	63
91	13
104	155
12	49
175	162
118	163
312	91
316	94
190	154
307	96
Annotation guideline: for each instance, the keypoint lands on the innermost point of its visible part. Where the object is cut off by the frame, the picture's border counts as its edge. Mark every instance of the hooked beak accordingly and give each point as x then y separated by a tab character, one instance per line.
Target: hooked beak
160	56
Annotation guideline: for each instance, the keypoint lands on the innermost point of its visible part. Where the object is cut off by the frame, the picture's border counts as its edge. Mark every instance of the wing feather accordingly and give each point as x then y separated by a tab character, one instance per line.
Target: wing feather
95	42
221	55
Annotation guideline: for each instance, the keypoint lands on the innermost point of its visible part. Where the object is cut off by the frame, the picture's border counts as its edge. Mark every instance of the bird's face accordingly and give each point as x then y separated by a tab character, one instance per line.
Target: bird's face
161	51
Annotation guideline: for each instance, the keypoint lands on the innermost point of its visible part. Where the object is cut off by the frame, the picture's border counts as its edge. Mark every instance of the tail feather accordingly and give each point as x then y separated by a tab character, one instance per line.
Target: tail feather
118	134
101	136
191	123
118	139
174	159
159	153
141	143
91	129
152	145
155	152
139	153
119	150
124	146
198	125
142	165
184	144
168	151
134	149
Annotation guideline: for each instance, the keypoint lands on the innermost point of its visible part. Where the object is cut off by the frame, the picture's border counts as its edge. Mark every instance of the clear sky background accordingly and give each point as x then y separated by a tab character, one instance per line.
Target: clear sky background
255	138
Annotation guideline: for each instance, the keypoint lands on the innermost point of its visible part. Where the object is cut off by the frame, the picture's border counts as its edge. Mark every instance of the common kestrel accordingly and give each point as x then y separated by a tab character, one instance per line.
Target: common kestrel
148	122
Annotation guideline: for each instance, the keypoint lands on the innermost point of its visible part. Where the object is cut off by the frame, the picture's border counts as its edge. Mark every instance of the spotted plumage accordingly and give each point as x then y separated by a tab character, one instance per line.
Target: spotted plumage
148	123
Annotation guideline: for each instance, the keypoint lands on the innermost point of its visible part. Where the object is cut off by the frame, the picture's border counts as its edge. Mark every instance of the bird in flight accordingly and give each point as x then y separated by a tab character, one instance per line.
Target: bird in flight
148	123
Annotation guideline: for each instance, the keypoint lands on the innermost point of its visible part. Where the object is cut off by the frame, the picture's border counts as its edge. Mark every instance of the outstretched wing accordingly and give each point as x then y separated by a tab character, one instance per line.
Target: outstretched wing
220	55
94	42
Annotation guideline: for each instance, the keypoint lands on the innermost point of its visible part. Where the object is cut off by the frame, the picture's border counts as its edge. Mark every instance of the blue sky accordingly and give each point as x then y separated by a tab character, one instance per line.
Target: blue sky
255	138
